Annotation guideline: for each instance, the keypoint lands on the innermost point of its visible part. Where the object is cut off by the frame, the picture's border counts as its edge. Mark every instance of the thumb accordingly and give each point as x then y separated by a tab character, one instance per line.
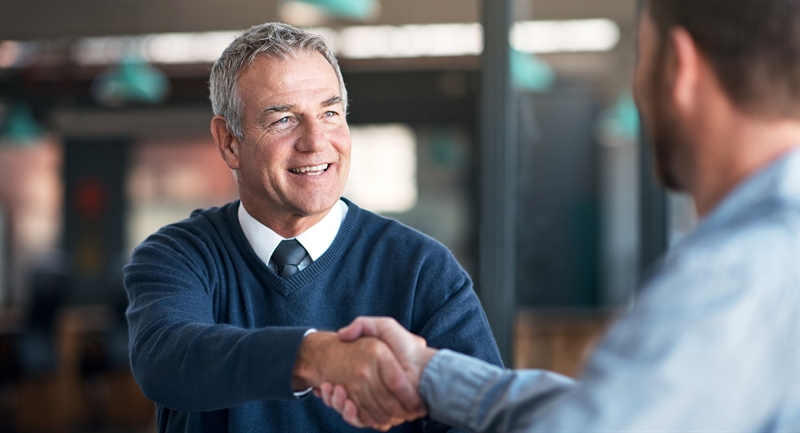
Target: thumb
358	328
387	329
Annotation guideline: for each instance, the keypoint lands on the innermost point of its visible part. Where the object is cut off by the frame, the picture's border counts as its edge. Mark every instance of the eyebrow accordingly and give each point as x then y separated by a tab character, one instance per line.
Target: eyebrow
332	101
277	109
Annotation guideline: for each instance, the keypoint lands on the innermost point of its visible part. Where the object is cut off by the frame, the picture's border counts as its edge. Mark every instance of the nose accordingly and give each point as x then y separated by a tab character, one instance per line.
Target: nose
312	138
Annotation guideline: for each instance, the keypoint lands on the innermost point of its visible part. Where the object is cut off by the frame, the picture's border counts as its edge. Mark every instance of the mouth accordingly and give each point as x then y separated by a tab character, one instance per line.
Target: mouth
311	170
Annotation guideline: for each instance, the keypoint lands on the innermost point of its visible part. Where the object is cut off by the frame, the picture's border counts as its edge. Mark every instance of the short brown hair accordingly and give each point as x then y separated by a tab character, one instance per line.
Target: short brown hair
753	46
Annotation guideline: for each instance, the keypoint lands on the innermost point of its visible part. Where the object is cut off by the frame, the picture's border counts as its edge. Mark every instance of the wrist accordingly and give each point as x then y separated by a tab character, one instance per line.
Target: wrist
310	357
421	361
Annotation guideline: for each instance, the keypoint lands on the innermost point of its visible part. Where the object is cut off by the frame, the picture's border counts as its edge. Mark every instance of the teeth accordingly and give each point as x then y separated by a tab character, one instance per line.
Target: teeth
314	169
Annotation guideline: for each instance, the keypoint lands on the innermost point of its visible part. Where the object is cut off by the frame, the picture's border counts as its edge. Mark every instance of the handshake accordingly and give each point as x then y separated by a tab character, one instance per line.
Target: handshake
369	371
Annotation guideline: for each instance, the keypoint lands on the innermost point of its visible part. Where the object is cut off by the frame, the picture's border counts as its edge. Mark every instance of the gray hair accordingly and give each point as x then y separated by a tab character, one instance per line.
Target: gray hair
274	40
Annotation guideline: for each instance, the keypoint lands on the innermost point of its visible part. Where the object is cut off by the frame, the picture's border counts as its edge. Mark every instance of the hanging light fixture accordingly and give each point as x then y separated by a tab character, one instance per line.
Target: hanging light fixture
132	80
20	127
619	124
314	12
529	72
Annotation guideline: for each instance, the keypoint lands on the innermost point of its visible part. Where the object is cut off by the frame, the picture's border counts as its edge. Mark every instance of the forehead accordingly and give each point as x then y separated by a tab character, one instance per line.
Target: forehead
304	71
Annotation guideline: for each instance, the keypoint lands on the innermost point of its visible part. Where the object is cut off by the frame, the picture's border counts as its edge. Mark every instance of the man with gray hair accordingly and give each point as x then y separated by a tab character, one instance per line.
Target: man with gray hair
227	308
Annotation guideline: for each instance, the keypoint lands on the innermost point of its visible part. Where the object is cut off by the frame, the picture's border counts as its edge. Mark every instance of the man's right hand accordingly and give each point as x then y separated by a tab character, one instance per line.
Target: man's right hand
367	369
411	351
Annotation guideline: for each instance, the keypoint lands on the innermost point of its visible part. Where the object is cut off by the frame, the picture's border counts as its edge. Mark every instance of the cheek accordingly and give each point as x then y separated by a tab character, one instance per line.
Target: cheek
637	94
344	149
643	92
341	141
268	151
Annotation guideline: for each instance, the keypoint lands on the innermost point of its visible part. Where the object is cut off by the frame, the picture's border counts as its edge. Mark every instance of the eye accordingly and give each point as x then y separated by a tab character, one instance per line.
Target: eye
282	123
331	113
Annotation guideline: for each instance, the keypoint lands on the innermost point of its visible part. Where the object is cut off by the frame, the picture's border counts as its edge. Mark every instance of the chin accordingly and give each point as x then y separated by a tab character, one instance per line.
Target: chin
674	158
665	165
315	206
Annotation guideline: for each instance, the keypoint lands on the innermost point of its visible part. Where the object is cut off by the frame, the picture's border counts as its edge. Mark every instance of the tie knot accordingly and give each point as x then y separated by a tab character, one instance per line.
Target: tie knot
287	256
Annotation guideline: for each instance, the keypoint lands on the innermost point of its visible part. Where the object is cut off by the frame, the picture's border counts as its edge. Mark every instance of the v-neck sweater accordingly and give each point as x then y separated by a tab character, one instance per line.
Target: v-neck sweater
214	332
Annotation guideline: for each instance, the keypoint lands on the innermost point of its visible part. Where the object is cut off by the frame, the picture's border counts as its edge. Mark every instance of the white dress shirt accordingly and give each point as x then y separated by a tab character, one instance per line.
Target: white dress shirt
316	240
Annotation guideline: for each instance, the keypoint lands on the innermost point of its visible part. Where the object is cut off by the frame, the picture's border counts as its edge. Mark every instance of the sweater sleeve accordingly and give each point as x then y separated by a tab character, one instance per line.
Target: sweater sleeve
449	315
447	311
180	356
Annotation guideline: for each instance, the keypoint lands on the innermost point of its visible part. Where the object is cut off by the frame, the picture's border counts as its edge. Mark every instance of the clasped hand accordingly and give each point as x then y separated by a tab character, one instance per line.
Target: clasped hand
390	397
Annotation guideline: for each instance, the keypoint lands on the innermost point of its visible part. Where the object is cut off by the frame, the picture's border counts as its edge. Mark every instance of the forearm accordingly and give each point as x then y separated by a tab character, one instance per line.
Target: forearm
183	354
198	367
473	395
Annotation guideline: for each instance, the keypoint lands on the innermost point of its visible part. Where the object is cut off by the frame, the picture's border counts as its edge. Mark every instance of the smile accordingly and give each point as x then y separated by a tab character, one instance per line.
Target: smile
312	170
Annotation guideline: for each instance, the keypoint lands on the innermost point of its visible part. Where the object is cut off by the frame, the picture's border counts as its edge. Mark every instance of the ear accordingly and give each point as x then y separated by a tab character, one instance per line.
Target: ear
226	141
685	69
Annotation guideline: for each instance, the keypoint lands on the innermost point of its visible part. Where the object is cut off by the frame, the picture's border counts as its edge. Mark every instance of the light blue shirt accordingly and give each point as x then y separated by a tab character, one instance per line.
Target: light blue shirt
711	345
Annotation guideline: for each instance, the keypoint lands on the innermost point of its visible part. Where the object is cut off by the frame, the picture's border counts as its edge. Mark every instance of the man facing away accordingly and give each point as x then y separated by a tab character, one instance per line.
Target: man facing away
712	343
224	306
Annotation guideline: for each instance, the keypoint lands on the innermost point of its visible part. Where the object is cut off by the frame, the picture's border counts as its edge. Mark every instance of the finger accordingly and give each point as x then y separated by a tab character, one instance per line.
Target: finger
402	342
402	390
338	398
382	390
394	394
339	403
389	330
376	404
365	400
326	389
350	414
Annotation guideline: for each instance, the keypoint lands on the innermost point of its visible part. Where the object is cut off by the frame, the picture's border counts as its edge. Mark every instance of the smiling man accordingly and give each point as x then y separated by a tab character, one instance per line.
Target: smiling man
227	308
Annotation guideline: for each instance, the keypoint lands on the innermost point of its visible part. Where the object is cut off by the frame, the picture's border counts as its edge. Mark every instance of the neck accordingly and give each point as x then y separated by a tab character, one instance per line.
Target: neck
287	225
730	151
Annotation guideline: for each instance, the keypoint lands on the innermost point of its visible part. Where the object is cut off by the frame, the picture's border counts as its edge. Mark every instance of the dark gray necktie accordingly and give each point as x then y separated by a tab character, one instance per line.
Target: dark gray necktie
287	256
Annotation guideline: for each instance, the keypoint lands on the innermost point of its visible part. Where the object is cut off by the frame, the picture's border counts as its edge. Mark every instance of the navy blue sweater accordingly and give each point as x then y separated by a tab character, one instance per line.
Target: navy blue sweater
214	332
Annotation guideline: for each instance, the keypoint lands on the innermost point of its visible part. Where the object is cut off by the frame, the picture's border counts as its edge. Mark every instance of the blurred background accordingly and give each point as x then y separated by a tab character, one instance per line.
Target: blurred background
504	129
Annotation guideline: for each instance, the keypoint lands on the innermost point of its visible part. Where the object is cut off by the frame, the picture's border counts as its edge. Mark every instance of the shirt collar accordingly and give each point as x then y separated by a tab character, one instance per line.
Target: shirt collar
779	180
316	240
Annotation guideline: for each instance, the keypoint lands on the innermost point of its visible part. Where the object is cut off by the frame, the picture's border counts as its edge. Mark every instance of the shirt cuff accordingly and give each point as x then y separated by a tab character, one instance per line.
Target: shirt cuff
304	393
453	384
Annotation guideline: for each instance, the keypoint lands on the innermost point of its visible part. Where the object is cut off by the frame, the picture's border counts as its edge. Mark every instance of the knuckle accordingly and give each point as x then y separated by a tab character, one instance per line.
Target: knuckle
395	381
363	372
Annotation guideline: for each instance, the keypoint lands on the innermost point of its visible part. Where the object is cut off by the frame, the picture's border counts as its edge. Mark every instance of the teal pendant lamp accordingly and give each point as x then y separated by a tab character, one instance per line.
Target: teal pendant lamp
620	122
20	127
133	80
347	9
530	73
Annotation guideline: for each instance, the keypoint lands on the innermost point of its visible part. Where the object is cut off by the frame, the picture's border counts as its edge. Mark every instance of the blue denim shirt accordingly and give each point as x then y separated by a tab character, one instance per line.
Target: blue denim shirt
712	343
